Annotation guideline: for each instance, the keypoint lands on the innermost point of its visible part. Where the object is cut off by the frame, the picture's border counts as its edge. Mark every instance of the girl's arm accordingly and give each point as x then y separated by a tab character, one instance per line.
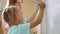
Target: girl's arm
33	16
5	27
4	30
40	16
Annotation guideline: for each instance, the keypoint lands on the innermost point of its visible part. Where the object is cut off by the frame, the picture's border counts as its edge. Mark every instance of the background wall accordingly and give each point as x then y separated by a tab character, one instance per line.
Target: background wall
2	4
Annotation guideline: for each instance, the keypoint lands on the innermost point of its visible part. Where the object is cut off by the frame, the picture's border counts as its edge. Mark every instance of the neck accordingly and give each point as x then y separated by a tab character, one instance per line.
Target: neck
19	22
16	23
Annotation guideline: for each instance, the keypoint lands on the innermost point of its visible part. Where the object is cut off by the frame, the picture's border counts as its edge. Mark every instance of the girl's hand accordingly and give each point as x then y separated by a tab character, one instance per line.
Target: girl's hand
5	26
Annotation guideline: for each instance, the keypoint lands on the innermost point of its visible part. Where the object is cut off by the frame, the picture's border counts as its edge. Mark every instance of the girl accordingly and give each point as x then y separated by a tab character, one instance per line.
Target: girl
16	22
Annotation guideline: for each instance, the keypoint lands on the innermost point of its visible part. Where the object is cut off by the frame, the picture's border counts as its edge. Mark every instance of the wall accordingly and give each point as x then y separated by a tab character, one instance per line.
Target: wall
53	16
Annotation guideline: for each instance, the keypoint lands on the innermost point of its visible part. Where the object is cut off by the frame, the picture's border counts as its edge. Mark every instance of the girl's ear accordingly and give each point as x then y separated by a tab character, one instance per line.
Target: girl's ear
15	16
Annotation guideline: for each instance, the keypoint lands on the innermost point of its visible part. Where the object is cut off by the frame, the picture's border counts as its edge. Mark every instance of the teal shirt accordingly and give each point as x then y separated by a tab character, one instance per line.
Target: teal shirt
20	29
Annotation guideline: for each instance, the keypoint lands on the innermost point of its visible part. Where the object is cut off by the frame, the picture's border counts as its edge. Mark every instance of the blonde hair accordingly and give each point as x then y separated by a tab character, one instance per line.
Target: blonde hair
8	14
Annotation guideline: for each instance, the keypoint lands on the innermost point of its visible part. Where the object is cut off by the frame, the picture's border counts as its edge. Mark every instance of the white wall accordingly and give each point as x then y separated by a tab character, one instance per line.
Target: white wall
53	11
52	17
52	14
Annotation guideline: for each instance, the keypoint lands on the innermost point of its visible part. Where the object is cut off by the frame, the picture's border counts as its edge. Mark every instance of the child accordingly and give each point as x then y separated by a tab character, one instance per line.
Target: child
17	25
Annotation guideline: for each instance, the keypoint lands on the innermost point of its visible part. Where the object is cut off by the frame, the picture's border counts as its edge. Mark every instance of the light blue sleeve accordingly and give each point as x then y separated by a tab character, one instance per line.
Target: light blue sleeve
20	29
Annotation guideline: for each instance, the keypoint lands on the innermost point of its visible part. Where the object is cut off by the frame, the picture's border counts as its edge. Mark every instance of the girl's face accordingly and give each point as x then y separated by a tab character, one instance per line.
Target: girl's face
19	4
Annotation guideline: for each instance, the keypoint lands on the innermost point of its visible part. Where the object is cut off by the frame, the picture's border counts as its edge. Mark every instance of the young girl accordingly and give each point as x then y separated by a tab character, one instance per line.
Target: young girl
16	22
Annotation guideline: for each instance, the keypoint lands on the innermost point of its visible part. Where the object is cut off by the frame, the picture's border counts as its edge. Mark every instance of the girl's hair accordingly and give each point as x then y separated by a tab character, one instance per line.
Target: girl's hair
12	2
8	14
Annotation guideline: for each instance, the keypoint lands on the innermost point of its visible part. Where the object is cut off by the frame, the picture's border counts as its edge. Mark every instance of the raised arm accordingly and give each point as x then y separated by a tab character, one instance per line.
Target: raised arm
40	16
33	16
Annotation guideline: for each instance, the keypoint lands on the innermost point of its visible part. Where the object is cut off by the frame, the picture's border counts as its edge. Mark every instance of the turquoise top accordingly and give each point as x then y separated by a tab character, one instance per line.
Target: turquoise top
20	29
